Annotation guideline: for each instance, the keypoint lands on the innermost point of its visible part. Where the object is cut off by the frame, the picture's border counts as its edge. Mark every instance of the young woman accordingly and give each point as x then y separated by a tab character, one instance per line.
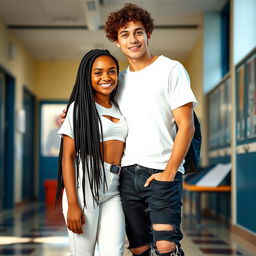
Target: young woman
93	136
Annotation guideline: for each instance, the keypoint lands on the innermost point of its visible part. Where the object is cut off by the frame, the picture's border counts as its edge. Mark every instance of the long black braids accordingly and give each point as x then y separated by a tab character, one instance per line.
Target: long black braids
87	129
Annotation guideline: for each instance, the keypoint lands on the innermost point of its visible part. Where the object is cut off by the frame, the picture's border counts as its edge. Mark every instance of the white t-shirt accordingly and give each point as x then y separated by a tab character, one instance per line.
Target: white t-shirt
146	99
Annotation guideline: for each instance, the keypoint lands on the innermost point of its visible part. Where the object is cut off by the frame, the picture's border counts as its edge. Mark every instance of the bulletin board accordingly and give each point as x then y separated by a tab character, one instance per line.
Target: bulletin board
246	99
219	112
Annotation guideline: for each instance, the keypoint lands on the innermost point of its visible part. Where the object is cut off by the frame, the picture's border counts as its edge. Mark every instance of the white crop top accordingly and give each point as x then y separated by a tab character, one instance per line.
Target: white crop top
111	130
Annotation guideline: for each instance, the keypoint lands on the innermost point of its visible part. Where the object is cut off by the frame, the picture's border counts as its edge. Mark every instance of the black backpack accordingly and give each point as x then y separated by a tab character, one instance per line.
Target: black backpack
193	155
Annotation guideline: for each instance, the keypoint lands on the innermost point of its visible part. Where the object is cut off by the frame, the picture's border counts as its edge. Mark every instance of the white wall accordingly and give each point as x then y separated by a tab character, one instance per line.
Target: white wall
212	50
244	19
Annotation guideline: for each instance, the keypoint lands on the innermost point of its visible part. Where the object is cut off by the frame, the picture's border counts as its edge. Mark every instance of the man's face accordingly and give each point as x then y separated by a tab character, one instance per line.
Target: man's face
133	40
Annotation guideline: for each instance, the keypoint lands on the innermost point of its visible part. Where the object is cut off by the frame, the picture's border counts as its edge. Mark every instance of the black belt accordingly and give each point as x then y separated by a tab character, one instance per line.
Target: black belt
115	169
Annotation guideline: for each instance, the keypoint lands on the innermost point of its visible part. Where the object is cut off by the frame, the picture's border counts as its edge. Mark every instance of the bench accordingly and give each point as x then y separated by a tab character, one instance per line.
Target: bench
198	191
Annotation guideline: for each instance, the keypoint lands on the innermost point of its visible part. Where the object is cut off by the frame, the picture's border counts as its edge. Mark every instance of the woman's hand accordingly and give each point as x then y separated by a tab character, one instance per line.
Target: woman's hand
75	218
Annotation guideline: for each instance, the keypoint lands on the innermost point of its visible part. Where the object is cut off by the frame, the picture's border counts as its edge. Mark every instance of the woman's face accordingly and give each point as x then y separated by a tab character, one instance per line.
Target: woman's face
104	75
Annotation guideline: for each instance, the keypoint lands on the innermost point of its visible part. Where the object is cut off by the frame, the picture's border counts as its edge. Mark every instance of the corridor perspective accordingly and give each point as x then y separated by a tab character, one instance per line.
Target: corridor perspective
41	45
38	230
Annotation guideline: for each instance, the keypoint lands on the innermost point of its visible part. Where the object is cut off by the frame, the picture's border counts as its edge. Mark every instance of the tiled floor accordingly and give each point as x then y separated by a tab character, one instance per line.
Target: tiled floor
36	230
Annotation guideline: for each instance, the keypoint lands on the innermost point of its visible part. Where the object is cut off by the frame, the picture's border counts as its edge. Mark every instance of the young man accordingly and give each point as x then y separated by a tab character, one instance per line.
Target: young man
154	92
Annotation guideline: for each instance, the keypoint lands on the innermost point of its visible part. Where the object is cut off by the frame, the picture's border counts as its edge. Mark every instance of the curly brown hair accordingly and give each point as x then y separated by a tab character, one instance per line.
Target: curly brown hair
130	12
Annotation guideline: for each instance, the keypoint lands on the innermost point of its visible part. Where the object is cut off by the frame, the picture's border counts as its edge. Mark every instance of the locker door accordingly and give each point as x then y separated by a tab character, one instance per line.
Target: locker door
2	138
28	146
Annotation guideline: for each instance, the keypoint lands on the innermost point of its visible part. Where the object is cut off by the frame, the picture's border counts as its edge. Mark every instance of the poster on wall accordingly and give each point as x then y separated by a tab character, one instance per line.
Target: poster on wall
211	109
240	104
222	115
50	124
228	110
251	97
217	117
214	116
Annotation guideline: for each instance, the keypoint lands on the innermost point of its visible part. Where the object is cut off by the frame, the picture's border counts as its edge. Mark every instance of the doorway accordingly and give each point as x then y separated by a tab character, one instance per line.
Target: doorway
7	106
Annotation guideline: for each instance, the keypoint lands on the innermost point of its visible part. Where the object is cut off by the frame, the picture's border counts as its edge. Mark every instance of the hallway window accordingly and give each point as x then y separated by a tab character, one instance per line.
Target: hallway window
50	123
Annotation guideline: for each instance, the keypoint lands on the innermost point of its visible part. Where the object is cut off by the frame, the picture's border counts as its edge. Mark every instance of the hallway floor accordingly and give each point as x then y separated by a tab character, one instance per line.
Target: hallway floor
39	231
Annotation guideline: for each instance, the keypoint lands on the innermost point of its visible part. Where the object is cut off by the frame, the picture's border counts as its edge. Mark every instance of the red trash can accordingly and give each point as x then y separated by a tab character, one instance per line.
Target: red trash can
50	187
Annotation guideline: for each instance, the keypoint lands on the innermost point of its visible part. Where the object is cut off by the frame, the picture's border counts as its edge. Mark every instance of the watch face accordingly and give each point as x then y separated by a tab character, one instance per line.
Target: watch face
115	168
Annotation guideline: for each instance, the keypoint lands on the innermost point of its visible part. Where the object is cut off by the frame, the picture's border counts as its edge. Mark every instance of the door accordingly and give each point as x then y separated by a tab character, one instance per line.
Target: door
2	138
28	146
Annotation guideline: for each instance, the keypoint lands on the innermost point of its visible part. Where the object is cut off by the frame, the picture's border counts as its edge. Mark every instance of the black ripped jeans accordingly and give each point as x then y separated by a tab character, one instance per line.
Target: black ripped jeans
159	203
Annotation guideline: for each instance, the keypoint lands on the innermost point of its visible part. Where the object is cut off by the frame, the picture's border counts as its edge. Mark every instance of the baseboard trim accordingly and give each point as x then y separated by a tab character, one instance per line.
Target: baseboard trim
243	233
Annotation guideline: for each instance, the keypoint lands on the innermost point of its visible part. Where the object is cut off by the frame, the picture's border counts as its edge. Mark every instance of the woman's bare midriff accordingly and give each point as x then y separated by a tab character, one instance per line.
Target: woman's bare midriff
113	151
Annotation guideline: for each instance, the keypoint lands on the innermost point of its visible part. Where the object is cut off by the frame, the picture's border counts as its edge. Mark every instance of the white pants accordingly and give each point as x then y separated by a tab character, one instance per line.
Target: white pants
104	224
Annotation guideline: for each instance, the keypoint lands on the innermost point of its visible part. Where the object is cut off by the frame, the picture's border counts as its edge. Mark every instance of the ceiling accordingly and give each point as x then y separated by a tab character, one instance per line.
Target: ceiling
56	29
